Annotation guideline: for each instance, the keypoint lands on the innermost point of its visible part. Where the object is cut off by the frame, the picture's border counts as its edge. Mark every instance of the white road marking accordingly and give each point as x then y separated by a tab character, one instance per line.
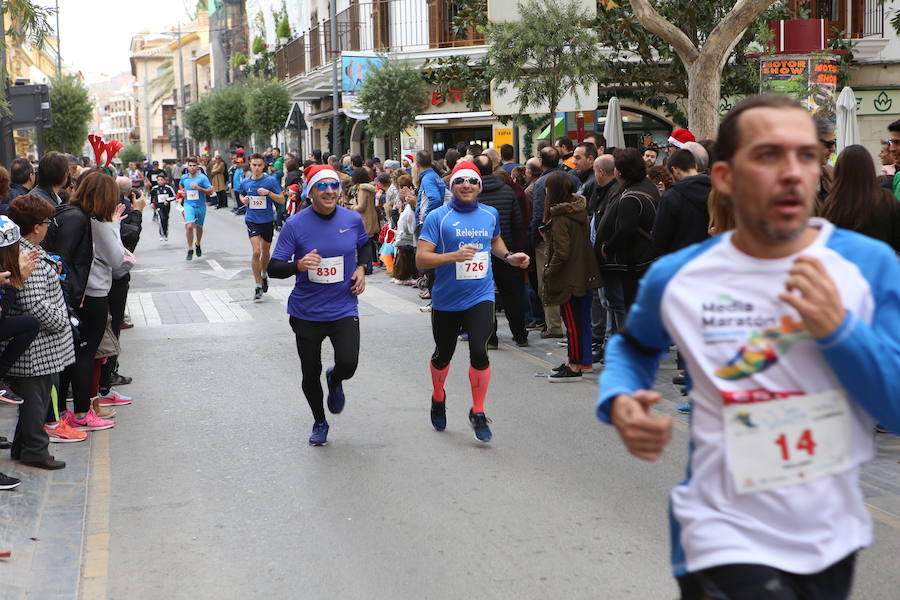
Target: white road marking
206	307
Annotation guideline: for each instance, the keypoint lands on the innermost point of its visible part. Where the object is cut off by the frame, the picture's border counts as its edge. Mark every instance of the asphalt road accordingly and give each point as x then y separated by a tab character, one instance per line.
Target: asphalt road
207	488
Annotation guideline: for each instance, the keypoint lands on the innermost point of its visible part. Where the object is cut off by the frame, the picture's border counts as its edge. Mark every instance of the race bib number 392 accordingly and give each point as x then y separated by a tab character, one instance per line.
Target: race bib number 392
475	268
787	441
257	202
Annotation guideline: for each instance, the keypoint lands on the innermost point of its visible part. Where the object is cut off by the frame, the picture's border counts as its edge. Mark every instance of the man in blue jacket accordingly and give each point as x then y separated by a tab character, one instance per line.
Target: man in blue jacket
431	186
788	326
431	196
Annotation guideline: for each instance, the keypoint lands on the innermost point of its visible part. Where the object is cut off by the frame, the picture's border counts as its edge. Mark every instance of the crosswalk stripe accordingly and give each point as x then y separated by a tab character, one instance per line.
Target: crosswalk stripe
210	306
150	313
225	306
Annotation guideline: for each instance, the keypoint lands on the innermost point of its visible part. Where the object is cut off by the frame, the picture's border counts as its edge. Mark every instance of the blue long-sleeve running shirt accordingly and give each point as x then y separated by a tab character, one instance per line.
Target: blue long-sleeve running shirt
781	422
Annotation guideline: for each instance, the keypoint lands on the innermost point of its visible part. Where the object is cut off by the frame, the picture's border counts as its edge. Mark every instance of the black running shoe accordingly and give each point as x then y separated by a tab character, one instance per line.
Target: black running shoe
258	293
265	285
679	380
479	423
199	251
8	396
565	375
120	379
190	255
439	414
8	483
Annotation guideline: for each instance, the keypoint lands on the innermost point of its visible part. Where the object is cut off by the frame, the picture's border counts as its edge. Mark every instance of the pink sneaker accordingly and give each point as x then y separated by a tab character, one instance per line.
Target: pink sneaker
114	398
90	422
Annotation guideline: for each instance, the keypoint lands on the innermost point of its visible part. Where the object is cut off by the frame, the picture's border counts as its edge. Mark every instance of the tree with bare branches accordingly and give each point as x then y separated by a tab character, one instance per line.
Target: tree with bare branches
703	62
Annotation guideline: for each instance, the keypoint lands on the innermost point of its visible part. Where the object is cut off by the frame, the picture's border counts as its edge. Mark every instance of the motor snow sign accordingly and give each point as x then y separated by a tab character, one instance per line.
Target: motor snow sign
809	79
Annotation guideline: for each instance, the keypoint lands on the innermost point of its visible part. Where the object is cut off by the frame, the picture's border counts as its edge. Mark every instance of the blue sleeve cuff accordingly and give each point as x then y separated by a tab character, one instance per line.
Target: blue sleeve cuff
604	403
840	334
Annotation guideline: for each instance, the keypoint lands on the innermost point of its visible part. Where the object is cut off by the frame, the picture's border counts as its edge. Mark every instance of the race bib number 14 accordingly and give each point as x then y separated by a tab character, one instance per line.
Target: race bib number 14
787	441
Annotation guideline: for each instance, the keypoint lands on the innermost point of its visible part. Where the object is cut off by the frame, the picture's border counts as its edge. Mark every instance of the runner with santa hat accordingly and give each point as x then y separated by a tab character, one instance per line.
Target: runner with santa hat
325	248
457	240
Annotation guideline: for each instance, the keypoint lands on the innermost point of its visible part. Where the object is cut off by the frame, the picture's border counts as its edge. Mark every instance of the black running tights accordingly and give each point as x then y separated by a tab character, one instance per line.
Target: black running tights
477	321
344	336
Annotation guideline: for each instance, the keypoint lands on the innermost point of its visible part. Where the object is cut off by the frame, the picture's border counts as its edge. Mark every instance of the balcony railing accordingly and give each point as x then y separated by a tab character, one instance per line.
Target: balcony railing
873	19
379	25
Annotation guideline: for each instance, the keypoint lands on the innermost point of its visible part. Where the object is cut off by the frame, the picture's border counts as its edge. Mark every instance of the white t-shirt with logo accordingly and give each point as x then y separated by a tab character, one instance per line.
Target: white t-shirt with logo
760	381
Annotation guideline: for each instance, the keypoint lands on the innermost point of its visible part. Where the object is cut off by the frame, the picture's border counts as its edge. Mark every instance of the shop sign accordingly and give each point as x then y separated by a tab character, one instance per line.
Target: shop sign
877	102
503	136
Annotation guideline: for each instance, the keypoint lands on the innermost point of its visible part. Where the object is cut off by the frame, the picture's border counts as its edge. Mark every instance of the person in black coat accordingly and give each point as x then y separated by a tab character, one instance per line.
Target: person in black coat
623	237
494	192
683	216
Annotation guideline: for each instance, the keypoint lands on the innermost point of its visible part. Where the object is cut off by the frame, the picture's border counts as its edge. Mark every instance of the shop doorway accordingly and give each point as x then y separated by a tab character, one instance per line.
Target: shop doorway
444	139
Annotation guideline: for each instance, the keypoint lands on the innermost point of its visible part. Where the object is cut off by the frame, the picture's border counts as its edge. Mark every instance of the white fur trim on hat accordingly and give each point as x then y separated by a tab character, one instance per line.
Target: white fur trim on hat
465	173
675	142
319	176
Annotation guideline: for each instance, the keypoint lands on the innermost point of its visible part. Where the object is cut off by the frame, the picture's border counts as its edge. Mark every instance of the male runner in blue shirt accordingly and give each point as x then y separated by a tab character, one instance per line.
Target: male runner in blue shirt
325	247
259	193
196	186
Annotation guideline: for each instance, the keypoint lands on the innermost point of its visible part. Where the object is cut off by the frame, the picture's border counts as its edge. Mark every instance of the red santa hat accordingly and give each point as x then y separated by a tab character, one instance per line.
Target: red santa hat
465	168
316	173
680	137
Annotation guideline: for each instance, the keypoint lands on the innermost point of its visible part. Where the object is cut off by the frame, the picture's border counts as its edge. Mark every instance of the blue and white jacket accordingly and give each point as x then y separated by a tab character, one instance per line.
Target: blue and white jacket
745	349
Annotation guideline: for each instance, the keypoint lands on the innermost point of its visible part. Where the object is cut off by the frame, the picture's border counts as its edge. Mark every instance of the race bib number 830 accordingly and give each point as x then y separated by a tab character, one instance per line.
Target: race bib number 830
329	270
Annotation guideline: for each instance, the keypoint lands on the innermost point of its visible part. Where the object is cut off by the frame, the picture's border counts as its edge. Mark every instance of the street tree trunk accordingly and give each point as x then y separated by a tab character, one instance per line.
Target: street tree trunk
703	66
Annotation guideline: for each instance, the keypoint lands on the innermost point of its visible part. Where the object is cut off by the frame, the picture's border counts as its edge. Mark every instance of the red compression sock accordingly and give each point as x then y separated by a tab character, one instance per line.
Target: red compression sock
480	381
438	377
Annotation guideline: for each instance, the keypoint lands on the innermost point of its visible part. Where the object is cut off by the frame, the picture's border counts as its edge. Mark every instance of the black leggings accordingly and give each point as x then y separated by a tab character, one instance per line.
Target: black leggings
92	313
477	321
20	331
751	582
344	336
118	298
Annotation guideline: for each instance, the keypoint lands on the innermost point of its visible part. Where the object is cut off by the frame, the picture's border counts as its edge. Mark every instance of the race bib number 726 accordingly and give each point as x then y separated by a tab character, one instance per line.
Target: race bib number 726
475	268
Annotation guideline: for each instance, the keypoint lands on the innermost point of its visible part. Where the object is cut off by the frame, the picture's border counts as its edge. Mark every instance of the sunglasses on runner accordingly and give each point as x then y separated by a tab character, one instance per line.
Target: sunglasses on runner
324	185
470	180
828	143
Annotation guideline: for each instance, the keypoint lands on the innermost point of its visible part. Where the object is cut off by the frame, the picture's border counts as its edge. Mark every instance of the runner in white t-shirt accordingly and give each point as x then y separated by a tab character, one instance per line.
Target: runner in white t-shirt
788	327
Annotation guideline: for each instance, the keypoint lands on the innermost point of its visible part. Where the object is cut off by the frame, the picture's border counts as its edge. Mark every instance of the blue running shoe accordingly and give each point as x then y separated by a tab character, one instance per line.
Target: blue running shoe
480	425
319	435
684	408
439	414
335	394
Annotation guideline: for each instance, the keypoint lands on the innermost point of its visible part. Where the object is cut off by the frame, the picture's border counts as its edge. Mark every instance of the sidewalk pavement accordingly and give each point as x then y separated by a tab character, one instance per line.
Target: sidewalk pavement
42	521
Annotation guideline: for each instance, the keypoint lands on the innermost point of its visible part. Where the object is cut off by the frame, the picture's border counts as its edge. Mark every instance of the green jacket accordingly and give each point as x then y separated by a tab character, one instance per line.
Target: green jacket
571	268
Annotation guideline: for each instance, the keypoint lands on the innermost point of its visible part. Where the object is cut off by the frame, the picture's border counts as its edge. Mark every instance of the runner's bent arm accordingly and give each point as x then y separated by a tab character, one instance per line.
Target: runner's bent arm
427	258
282	264
866	357
516	259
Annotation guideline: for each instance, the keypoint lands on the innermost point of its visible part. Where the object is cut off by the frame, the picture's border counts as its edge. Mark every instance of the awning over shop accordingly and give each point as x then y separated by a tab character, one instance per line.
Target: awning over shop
559	129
